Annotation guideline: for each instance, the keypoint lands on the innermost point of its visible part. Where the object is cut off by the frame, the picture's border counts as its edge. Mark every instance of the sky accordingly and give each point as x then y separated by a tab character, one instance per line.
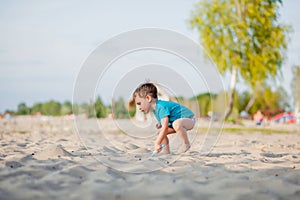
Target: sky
43	44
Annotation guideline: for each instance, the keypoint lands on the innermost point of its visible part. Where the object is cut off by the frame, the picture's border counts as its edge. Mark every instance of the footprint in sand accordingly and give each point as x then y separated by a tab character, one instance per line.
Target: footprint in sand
140	151
13	164
131	146
272	155
52	152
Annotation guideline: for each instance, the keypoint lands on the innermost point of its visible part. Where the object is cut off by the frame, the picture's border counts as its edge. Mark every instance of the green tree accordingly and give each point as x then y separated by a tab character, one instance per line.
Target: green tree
23	109
78	109
269	99
119	109
37	107
100	108
205	103
295	84
87	108
242	37
11	112
218	103
51	108
244	97
66	108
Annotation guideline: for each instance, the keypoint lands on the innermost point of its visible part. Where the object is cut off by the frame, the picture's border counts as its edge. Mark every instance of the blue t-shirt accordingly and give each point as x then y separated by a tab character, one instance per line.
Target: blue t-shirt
171	109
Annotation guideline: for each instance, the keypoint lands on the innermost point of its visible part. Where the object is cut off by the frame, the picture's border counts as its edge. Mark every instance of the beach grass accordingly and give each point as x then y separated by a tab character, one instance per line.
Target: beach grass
261	130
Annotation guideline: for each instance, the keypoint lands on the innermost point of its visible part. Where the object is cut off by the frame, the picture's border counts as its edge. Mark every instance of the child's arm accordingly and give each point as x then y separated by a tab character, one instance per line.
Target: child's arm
158	126
162	133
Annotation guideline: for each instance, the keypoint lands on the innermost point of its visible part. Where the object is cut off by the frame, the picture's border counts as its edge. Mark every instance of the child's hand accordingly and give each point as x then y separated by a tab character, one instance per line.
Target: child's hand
158	126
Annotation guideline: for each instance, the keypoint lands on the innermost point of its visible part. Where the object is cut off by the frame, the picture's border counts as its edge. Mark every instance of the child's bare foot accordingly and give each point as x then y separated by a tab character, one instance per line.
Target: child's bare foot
184	148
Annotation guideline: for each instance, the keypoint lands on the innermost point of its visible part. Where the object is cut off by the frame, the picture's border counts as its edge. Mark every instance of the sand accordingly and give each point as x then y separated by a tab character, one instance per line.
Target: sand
55	158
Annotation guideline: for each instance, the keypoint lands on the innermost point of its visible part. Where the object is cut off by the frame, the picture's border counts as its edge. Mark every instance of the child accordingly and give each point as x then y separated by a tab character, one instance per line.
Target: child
172	117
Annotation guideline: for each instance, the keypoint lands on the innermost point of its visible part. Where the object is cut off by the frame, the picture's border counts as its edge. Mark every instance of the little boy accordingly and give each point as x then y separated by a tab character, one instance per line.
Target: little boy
172	117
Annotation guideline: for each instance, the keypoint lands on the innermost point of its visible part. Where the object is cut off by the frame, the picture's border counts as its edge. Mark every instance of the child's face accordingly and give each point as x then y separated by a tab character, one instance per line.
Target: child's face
143	103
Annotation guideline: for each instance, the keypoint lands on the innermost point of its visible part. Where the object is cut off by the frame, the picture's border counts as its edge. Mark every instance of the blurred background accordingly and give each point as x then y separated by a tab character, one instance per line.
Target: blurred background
256	47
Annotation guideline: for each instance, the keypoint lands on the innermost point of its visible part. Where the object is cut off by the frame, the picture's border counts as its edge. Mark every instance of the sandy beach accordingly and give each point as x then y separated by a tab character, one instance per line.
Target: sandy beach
56	158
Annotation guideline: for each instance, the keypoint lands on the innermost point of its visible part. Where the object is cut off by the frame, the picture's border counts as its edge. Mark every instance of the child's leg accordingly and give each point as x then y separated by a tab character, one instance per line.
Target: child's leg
181	126
165	141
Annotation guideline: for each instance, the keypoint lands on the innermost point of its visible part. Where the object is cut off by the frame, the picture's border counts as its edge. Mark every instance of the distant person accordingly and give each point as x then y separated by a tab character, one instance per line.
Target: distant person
172	117
258	117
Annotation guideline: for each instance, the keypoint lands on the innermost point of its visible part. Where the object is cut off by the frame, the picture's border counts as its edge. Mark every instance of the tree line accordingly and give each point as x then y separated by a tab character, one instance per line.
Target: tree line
206	102
54	108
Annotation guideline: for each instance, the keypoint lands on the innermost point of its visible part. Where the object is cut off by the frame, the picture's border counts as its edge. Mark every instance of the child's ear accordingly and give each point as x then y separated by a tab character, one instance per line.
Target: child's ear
149	98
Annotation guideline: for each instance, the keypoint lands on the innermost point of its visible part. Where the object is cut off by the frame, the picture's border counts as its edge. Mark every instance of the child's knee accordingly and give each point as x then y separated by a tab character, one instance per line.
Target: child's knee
183	123
177	125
